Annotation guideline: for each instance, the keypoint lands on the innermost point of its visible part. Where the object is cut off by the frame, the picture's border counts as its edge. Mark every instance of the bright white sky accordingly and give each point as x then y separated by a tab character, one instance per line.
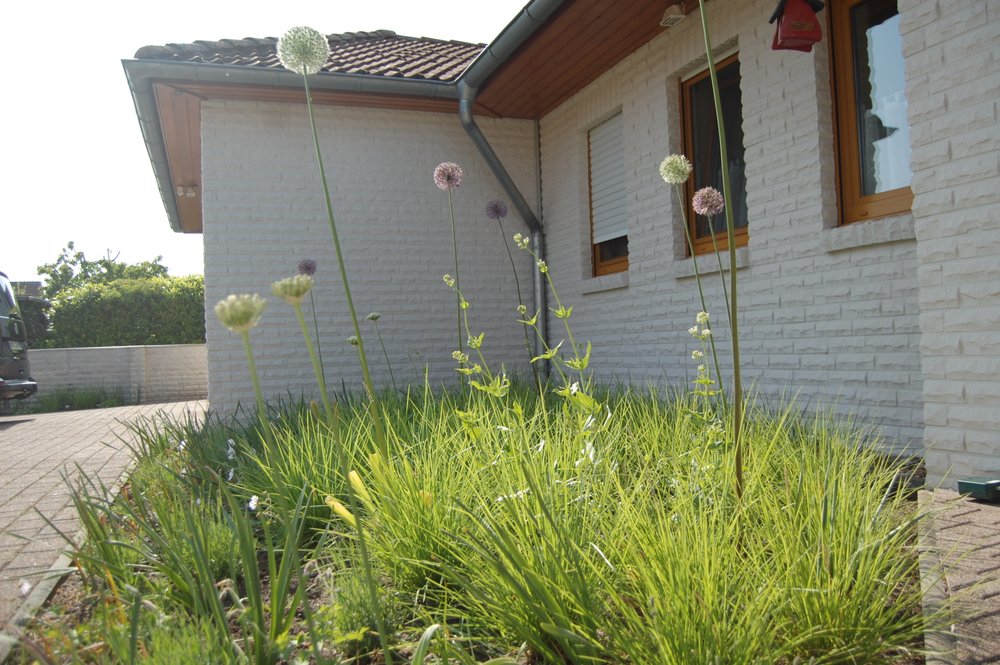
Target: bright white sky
74	165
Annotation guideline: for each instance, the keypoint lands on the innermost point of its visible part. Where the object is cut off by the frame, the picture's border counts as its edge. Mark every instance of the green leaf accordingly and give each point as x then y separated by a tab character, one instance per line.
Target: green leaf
529	322
548	355
582	363
562	312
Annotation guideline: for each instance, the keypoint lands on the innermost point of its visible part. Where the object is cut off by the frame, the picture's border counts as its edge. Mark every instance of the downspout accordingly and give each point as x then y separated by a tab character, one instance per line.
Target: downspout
467	97
532	17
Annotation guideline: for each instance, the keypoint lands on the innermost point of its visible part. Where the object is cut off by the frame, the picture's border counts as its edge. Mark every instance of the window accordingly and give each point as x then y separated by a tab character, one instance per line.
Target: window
873	136
608	217
701	145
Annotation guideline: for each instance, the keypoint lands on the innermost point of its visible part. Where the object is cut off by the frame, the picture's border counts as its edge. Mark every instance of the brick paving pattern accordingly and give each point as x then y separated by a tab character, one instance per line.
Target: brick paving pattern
35	453
967	534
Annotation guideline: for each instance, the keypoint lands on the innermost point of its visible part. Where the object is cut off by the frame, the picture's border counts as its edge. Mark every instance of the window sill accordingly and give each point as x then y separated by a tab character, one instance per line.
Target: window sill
618	280
708	265
873	232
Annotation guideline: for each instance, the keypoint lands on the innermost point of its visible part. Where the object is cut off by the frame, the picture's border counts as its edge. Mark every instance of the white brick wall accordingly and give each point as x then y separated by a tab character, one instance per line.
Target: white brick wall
264	212
953	85
154	373
828	314
896	321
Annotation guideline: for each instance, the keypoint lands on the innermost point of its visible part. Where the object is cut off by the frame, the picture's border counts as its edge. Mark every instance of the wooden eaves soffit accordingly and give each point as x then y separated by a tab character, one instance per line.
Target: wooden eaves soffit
179	106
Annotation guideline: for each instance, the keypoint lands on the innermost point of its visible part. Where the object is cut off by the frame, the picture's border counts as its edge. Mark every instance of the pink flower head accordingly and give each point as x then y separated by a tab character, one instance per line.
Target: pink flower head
496	210
447	175
307	267
708	201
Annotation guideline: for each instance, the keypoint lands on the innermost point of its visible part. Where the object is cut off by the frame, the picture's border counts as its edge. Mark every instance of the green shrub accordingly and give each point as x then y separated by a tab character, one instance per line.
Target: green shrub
160	310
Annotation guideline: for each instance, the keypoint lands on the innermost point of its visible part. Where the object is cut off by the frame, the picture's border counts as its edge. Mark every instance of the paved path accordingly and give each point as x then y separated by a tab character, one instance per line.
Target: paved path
35	451
967	539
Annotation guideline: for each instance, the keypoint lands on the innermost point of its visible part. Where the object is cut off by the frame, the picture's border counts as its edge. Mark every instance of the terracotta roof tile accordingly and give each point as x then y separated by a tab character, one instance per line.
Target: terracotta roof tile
379	53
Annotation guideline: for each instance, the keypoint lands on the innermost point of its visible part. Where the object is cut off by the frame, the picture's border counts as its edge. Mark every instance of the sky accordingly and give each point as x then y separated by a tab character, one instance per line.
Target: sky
74	165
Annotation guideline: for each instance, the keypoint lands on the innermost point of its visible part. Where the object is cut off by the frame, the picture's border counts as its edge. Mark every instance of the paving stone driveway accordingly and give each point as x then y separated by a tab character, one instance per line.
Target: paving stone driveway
35	452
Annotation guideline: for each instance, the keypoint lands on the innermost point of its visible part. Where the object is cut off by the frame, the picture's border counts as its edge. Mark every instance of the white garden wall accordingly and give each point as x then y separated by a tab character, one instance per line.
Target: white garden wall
263	212
828	314
154	373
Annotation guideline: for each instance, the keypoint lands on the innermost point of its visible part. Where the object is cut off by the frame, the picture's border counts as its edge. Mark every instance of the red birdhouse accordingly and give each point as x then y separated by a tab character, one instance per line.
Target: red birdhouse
798	26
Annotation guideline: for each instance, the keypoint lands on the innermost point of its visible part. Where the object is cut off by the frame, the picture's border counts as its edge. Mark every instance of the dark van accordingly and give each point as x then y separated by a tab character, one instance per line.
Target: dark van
15	376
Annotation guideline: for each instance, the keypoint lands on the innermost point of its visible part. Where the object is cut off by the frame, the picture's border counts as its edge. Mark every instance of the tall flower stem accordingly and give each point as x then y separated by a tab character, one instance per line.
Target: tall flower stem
458	281
731	236
718	257
386	354
520	301
319	347
317	366
697	281
373	406
261	408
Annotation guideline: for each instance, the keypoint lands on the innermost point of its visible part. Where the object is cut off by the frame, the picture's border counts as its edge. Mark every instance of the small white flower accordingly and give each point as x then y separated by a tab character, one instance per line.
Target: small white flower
697	354
702	318
229	476
230	449
449	280
515	495
693	331
182	445
575	388
701	369
253	502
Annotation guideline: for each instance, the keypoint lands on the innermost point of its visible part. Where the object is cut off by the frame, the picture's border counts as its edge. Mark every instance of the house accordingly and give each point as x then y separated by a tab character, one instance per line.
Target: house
869	247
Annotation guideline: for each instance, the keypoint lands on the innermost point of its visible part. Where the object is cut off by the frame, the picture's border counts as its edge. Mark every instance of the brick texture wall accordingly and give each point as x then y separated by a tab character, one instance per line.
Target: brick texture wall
953	85
264	212
154	373
829	315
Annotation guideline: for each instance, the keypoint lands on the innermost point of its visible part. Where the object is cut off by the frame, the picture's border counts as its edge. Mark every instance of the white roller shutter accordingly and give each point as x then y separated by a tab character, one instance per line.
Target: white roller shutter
607	180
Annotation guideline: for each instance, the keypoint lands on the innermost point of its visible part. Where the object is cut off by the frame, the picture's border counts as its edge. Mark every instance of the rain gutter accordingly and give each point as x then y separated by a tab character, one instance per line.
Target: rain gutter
524	25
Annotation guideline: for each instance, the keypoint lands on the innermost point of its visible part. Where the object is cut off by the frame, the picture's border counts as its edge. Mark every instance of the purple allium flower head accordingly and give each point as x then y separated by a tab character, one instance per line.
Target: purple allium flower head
307	267
708	201
496	209
447	175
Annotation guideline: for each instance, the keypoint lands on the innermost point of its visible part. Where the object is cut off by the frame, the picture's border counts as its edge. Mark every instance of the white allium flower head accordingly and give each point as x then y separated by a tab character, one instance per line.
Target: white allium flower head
675	169
702	318
303	50
240	313
293	289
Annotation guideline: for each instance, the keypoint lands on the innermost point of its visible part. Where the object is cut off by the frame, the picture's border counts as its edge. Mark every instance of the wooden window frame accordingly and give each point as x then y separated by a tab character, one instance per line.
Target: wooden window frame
854	206
601	266
703	245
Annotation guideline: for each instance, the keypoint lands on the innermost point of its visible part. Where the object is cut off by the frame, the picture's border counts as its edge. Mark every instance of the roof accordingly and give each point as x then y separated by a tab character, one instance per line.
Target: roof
379	53
550	51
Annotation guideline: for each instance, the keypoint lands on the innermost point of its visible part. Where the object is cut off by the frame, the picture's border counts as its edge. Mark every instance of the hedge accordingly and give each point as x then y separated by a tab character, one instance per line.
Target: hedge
159	310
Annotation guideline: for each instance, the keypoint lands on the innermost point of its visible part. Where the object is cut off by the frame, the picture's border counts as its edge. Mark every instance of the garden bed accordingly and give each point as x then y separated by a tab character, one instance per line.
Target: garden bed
511	529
